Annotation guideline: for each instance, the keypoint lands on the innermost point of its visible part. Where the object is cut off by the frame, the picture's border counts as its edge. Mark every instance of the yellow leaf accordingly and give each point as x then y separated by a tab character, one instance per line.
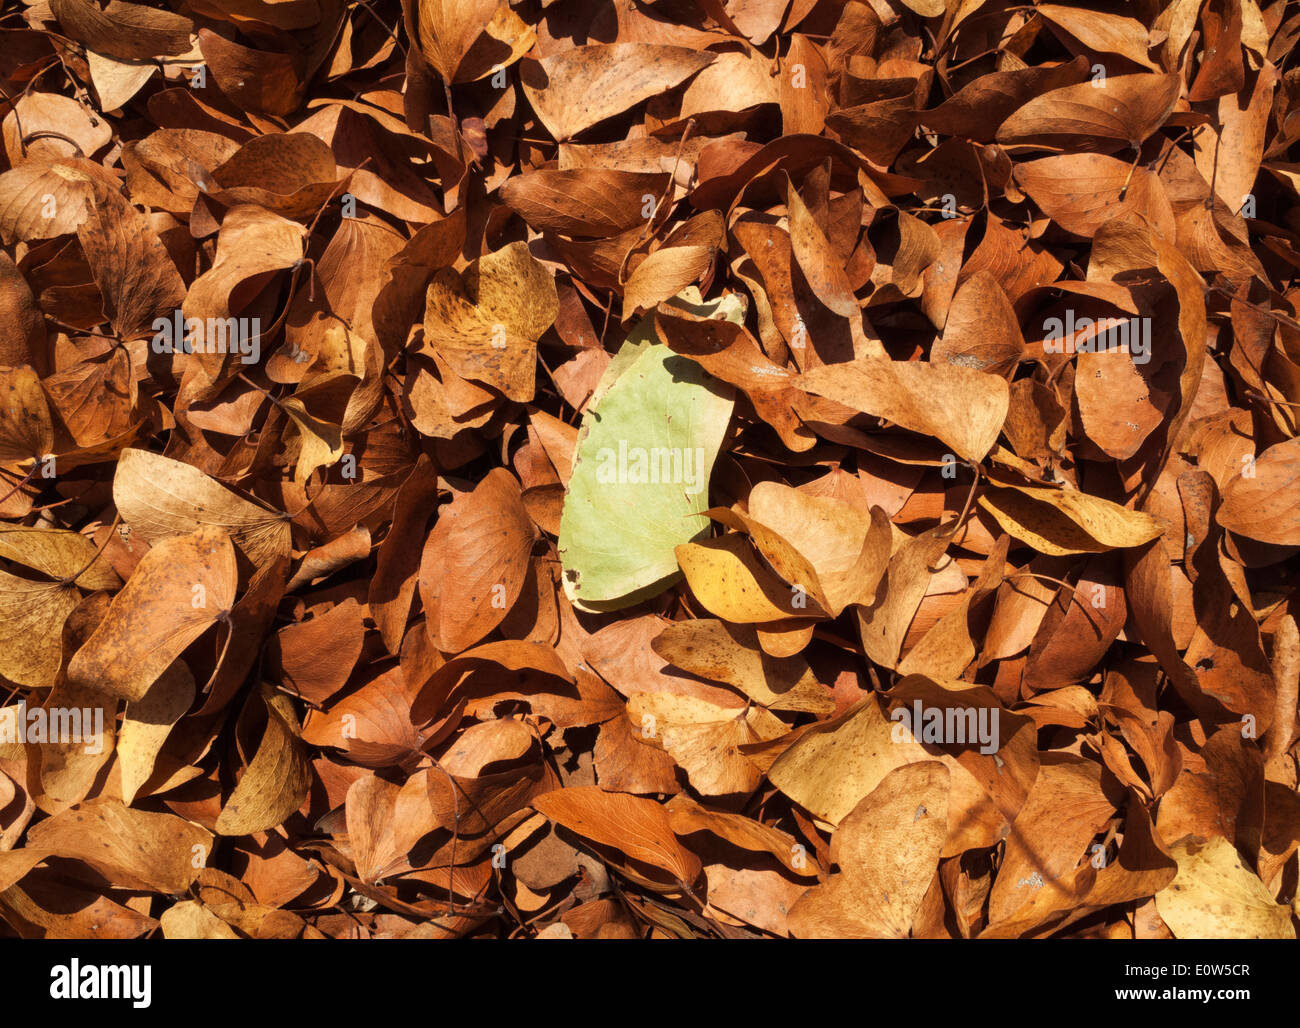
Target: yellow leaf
731	583
1058	522
1215	896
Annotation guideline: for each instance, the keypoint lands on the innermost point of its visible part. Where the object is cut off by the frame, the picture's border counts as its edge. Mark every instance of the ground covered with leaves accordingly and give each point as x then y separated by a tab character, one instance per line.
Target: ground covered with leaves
735	468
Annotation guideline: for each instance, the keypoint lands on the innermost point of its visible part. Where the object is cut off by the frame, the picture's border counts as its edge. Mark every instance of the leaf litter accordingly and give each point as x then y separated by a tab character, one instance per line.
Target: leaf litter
782	468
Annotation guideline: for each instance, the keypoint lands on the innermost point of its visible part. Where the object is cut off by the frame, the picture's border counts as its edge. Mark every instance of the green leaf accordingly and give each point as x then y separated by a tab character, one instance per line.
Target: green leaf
641	473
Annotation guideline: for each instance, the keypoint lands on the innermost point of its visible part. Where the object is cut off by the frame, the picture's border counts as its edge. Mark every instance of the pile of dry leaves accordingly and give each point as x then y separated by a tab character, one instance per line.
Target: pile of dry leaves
618	469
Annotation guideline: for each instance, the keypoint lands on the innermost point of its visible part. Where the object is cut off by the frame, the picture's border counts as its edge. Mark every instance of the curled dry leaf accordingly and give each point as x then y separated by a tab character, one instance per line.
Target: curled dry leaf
147	723
962	407
1260	501
578	88
1064	521
887	849
1105	116
640	829
138	849
452	33
704	740
160	497
475	562
486	324
1215	896
277	779
184	585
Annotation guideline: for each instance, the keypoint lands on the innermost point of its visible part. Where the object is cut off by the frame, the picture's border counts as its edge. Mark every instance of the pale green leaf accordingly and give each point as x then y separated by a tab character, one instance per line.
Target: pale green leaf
641	468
